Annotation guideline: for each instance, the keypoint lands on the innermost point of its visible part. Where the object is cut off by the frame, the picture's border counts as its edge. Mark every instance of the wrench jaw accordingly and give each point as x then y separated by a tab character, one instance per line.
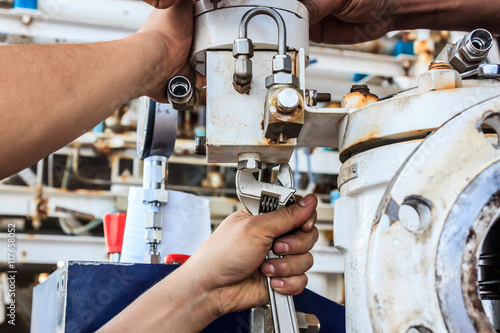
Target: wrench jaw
261	197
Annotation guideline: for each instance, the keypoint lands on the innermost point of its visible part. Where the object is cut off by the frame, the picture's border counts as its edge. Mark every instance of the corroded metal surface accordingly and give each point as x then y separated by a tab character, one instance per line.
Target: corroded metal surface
407	267
407	116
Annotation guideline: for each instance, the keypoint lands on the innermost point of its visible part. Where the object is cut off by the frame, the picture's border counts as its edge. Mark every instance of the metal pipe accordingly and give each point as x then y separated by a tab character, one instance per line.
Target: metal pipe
114	257
243	32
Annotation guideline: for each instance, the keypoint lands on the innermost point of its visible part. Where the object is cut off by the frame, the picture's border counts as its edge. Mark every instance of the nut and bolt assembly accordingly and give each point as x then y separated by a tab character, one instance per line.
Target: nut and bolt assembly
313	97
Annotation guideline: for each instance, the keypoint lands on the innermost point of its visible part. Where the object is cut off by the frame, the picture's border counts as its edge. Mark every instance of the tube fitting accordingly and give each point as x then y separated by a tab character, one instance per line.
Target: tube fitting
471	51
181	94
243	50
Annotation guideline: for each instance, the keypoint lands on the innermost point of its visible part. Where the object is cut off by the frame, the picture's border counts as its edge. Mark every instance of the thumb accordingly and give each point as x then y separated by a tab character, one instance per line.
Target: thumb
286	219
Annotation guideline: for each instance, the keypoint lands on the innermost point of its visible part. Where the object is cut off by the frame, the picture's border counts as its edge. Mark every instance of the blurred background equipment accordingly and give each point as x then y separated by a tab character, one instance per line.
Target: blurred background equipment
371	105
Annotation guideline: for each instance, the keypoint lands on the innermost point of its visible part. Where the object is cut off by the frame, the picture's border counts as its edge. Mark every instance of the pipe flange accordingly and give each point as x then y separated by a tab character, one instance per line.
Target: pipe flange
419	258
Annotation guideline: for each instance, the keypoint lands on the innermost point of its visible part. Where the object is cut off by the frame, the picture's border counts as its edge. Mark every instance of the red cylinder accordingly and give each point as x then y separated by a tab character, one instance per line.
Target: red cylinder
176	259
114	228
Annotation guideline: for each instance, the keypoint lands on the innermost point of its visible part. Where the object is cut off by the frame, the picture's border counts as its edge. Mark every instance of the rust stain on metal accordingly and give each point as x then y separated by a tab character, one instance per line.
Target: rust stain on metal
483	221
359	99
271	142
285	117
373	139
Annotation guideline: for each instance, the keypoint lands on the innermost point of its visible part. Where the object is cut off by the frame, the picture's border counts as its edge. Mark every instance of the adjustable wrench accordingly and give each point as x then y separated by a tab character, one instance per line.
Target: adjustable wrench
261	197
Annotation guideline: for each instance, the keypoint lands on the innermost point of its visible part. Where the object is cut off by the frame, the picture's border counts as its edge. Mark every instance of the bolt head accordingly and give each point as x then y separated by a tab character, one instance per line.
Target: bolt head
252	165
288	100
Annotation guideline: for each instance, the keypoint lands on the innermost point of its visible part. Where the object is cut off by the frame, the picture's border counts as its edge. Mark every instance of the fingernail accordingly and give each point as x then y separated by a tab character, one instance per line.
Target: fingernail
268	269
281	247
306	201
277	283
309	224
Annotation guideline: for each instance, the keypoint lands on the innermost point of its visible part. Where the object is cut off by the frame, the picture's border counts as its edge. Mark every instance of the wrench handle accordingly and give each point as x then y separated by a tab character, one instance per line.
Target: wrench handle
282	307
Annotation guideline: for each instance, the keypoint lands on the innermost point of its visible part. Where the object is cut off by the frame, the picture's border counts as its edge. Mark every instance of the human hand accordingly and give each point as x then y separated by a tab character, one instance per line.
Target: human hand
349	21
172	31
231	265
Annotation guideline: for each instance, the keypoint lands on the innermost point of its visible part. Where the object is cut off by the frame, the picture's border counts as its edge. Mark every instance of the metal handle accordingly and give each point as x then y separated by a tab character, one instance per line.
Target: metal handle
282	307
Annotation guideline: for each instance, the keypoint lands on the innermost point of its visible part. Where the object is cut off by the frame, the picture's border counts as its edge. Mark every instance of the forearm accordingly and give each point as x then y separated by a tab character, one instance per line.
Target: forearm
446	14
176	304
51	94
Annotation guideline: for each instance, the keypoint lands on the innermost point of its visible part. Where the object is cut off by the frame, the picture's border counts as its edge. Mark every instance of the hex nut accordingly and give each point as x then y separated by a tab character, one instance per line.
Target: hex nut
439	79
153	236
243	46
282	78
464	57
153	219
151	258
282	63
489	70
251	165
312	97
243	70
152	194
460	63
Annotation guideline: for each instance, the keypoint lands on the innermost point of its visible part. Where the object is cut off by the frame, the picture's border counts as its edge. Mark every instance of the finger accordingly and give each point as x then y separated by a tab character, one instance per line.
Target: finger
288	265
284	220
331	30
290	285
160	3
306	227
318	9
296	243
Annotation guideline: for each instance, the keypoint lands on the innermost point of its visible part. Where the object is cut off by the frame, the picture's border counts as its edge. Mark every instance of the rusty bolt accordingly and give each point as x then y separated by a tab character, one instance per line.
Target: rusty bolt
362	88
324	97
